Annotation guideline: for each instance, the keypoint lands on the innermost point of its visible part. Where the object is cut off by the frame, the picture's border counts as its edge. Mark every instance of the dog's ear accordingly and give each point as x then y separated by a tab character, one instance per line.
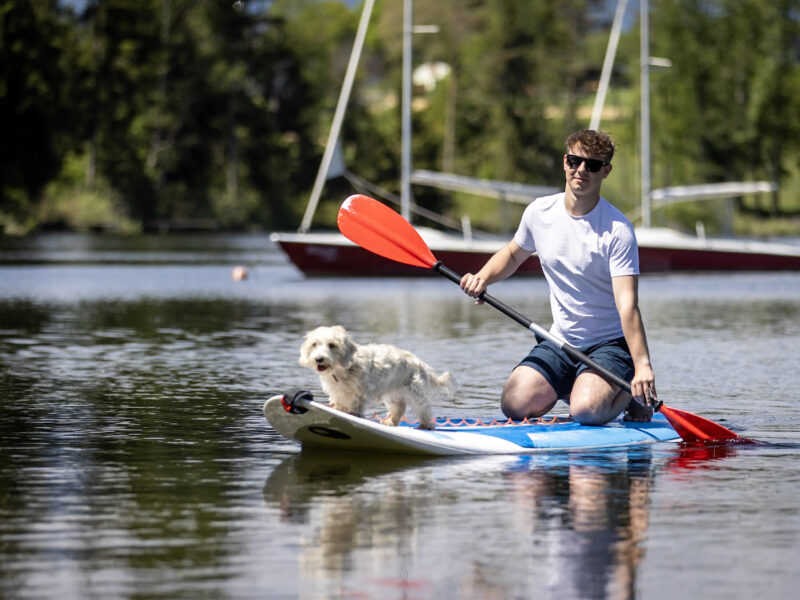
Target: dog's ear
305	348
346	344
349	351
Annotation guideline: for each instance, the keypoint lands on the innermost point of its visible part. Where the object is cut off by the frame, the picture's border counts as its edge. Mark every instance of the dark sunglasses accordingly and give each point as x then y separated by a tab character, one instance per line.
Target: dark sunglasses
594	165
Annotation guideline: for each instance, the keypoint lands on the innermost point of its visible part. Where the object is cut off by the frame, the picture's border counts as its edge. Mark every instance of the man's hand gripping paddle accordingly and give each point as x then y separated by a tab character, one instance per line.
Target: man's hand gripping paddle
379	229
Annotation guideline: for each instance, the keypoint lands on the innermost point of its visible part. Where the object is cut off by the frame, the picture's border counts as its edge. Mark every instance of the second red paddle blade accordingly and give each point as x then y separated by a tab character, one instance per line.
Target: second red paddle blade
693	428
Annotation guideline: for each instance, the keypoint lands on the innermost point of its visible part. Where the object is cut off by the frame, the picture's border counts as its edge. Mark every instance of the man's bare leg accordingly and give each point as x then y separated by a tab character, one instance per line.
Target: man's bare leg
594	401
527	394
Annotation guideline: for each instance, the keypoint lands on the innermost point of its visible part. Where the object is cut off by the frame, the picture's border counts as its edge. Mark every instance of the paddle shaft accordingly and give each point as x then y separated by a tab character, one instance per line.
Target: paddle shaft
573	352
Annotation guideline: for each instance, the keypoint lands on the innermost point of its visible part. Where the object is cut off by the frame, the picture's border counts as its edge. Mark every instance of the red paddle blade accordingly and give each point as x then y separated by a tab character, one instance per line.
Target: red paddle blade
379	229
693	428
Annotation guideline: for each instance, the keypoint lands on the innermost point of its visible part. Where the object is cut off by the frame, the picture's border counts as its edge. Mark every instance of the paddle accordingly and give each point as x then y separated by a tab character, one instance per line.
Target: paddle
379	229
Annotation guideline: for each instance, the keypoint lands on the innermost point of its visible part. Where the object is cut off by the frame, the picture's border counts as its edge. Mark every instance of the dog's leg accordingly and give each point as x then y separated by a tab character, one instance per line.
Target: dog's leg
396	405
419	394
422	406
343	403
333	402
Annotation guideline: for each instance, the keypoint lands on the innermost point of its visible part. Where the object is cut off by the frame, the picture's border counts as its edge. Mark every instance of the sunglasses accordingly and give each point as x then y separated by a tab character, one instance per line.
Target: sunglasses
594	165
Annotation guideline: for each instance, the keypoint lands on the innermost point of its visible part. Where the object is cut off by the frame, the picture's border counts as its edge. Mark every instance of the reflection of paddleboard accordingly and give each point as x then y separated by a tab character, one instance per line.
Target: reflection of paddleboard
316	424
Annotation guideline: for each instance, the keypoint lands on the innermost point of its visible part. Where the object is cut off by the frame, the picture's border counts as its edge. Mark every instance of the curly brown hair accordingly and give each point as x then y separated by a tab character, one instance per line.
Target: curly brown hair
595	143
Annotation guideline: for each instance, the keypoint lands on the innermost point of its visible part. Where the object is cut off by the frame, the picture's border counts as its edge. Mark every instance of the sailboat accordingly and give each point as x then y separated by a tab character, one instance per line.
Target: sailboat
660	249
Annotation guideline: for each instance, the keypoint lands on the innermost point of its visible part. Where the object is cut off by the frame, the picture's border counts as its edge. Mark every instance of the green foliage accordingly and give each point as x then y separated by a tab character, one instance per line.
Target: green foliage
728	107
32	105
137	113
67	201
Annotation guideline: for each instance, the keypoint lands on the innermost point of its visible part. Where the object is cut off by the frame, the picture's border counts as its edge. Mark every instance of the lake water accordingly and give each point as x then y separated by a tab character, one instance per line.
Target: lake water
135	461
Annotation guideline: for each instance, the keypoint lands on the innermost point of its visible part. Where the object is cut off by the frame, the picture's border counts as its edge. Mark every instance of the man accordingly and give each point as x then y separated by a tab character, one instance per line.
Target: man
590	259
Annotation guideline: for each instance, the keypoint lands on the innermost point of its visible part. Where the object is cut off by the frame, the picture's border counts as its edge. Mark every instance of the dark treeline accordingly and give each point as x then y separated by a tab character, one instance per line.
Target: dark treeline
135	113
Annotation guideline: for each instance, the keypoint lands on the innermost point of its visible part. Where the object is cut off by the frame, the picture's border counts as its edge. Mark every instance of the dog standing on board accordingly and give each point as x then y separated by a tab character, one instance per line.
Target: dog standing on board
353	374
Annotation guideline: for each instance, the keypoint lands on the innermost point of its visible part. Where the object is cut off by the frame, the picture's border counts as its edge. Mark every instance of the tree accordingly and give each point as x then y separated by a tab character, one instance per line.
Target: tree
199	110
727	109
33	105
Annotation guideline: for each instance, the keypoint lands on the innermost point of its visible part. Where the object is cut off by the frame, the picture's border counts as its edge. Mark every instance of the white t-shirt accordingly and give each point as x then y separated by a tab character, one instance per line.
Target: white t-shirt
579	256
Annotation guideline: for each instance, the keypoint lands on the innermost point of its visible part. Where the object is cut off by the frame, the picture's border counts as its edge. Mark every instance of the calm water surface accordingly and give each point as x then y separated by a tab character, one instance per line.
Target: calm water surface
135	461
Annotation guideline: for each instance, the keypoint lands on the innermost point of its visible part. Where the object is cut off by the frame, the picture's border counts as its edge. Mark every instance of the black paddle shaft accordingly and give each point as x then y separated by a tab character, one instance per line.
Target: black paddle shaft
573	352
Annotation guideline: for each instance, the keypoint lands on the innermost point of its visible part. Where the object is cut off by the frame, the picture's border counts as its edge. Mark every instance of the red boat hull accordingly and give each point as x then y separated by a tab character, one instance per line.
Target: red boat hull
656	260
323	259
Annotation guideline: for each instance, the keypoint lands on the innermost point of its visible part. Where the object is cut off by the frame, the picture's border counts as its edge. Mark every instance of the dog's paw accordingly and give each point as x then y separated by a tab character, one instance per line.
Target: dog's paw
345	409
340	408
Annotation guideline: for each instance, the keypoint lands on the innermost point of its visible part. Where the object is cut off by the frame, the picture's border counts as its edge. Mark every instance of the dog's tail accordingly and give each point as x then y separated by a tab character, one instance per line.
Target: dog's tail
447	382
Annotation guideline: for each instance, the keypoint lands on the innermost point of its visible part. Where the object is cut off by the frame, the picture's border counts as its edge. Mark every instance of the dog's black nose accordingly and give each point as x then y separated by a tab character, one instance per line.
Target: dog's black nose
320	360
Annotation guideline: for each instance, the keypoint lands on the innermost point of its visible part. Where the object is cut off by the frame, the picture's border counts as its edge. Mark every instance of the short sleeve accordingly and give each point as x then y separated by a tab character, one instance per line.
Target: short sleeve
624	252
524	235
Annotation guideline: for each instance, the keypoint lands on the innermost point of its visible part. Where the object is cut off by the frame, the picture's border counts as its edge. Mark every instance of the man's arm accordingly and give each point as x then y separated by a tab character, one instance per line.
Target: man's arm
501	265
626	297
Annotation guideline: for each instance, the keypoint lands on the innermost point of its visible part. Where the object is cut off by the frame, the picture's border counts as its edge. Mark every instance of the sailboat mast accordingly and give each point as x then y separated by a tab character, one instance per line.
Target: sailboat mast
338	117
644	17
405	115
608	65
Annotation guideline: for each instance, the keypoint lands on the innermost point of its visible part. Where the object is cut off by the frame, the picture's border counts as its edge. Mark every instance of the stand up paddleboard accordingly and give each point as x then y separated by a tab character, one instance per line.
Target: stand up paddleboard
315	424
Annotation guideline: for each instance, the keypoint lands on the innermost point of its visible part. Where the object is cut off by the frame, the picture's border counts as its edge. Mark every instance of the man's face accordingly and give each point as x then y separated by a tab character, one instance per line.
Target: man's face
584	177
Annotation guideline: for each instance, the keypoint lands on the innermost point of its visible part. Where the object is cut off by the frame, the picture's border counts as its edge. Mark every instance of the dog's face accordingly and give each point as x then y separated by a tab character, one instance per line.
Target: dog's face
327	348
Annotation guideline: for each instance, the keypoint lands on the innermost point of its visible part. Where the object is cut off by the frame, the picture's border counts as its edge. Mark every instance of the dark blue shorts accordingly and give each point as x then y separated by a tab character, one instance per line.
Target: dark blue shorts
560	370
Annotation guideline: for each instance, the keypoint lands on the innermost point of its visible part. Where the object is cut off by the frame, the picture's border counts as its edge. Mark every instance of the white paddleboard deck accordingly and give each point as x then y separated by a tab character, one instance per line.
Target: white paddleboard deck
316	424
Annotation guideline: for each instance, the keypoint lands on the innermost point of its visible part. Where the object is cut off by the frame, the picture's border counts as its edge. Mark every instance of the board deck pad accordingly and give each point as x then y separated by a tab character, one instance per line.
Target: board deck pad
316	424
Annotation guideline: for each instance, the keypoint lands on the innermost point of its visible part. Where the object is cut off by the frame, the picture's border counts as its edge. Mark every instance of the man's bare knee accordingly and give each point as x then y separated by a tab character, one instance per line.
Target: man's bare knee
589	417
513	407
526	394
594	401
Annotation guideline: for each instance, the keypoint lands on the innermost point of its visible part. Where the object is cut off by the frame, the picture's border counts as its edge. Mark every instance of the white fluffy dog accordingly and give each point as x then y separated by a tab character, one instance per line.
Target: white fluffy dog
352	375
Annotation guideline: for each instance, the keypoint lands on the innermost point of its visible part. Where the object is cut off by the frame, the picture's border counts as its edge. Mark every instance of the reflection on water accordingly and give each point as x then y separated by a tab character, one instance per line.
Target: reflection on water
135	461
556	525
702	456
176	248
569	525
